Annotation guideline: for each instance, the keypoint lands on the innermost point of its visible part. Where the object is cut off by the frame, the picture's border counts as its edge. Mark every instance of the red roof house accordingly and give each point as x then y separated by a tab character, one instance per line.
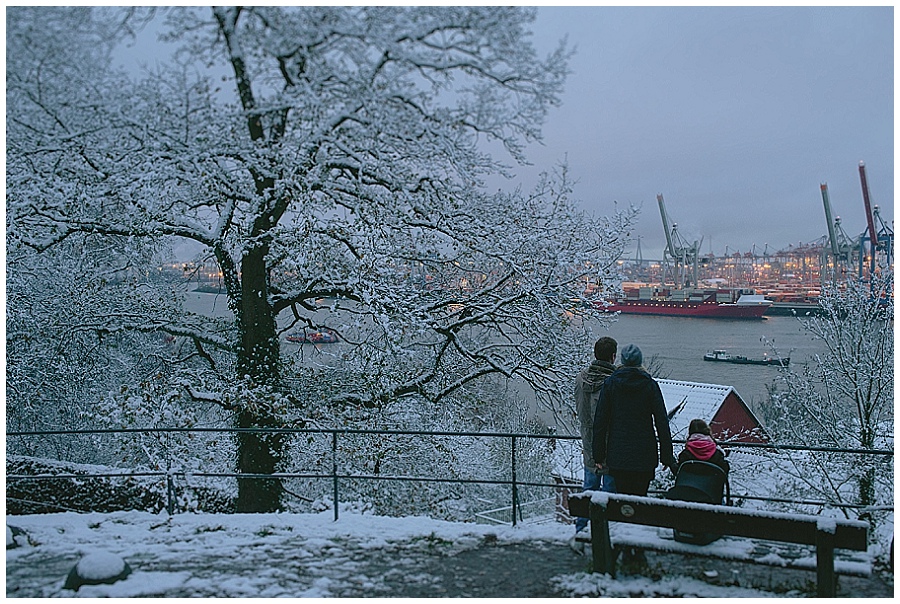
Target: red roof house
728	416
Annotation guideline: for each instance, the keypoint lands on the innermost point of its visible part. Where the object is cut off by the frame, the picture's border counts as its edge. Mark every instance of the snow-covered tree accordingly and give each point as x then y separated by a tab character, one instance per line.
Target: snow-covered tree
332	162
844	397
60	357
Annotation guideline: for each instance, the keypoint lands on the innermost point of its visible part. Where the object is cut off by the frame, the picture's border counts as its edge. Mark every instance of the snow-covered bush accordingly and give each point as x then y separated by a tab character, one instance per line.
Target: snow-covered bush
437	458
100	494
843	398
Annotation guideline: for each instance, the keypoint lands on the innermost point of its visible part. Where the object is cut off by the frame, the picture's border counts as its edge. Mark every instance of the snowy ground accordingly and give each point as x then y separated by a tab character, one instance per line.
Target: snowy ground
310	555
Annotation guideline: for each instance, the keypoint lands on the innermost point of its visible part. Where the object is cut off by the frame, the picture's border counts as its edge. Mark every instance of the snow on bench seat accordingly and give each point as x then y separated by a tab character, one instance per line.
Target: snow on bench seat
772	538
740	549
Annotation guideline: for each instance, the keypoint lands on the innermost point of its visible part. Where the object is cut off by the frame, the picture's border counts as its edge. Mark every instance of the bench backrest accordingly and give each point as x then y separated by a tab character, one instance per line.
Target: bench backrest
698	517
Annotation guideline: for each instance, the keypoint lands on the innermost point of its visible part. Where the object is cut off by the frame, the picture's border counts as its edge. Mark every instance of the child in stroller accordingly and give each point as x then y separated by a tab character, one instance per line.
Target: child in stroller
701	447
702	477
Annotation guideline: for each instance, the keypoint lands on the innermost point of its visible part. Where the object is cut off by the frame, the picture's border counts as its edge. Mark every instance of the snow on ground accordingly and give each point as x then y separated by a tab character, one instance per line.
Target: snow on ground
287	555
584	585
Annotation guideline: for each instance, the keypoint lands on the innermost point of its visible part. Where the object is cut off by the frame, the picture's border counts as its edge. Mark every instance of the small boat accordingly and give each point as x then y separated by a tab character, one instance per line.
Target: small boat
322	336
723	357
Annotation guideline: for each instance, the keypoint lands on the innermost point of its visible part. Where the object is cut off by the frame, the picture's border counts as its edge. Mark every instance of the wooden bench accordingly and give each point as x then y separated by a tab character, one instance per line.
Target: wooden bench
748	535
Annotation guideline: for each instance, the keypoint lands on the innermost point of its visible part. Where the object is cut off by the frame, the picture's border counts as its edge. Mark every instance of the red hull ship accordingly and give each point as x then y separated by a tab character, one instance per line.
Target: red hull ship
705	308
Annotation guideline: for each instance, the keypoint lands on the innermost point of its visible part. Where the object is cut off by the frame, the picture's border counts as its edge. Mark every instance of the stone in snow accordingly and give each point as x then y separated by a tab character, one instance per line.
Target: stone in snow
97	568
15	537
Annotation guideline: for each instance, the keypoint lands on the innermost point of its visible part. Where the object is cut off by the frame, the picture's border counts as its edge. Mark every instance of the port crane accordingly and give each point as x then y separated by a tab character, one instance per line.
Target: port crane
681	252
880	238
839	243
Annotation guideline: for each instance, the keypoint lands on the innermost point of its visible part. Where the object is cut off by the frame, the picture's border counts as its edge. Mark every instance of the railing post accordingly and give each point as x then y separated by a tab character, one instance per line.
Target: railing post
170	494
515	489
170	487
334	471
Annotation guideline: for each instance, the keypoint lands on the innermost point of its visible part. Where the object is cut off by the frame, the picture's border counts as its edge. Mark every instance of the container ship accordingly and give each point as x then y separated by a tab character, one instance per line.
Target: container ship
788	301
711	304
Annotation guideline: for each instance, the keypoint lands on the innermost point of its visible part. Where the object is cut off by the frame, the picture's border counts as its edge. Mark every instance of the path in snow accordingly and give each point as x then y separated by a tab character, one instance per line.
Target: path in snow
426	569
296	555
531	570
769	578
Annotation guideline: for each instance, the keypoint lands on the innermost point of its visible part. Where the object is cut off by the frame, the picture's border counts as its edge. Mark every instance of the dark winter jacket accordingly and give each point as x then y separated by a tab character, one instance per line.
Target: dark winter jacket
587	390
703	448
630	405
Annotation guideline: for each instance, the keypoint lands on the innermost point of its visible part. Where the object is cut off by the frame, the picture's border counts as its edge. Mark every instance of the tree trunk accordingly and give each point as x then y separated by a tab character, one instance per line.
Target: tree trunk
258	454
867	487
867	478
258	365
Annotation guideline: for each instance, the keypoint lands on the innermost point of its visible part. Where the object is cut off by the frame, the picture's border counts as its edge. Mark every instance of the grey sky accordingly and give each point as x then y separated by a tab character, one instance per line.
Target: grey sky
735	115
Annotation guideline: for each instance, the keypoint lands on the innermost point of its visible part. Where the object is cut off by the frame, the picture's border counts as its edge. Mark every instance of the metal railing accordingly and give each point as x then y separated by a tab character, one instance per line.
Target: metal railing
336	477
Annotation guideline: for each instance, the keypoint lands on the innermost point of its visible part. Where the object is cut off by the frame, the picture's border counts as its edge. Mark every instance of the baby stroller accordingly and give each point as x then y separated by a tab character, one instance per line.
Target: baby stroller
700	482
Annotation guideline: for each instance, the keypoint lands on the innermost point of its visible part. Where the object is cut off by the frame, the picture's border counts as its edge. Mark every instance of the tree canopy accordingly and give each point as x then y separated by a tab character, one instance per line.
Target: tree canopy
331	161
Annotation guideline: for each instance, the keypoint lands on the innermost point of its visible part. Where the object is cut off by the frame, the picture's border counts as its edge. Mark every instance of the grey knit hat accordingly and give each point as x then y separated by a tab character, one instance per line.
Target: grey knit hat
631	356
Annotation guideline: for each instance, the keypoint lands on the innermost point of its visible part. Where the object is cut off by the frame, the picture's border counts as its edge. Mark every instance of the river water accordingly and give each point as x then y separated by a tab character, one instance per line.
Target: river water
678	343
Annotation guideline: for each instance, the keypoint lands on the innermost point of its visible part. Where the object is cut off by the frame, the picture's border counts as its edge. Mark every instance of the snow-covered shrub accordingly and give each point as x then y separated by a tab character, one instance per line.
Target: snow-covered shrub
843	399
99	494
436	458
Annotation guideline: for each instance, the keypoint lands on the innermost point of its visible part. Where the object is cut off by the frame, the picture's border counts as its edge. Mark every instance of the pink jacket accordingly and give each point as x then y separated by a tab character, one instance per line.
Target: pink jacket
703	448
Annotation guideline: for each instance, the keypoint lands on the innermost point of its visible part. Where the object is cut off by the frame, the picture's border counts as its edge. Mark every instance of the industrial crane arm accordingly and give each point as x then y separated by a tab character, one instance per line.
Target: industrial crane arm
665	221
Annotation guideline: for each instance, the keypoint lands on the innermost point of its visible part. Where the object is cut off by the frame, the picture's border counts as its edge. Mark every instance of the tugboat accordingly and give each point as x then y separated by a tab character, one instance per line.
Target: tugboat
723	357
323	336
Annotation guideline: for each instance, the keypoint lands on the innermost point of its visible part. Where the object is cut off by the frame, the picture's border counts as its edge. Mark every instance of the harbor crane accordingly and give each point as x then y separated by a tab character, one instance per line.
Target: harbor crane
840	244
880	239
681	252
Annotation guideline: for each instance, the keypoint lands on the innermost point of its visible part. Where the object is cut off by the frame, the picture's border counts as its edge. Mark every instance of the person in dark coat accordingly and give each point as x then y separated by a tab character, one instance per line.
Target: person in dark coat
701	446
629	407
587	389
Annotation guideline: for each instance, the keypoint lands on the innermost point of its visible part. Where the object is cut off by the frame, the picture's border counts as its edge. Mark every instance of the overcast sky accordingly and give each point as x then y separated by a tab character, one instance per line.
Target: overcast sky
734	115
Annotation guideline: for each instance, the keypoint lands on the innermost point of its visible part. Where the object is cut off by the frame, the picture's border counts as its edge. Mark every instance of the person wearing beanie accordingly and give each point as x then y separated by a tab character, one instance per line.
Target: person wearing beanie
632	356
629	418
587	389
701	446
